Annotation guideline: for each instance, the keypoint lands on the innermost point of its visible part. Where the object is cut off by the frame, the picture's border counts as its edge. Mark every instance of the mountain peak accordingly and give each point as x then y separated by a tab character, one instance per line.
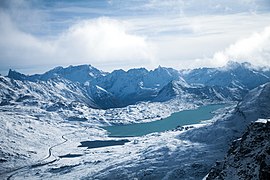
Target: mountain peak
137	70
80	73
159	68
16	75
85	67
58	68
231	65
165	71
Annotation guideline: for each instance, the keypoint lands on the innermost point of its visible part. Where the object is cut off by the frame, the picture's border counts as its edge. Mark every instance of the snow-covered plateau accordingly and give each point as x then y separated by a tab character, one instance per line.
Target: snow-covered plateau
45	118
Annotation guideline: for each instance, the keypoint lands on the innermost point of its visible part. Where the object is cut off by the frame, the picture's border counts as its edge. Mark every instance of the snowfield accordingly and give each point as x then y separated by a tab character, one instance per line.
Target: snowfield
187	154
35	138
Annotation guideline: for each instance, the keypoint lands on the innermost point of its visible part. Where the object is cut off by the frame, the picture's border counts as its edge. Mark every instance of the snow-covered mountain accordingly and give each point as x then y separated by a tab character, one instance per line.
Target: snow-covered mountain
42	93
102	98
121	88
189	92
234	75
134	85
254	106
108	90
173	158
81	74
248	156
58	112
218	134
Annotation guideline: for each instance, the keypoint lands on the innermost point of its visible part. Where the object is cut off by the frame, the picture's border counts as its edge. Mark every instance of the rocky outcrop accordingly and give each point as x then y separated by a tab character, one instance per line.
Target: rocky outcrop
248	157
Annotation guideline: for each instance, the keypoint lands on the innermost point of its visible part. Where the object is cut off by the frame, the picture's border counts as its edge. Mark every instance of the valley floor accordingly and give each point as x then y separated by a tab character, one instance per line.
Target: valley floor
37	144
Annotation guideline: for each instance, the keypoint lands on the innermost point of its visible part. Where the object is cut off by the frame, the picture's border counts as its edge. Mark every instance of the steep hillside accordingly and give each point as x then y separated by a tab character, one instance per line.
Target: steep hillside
243	76
232	124
81	74
109	90
136	85
190	92
42	93
248	156
121	88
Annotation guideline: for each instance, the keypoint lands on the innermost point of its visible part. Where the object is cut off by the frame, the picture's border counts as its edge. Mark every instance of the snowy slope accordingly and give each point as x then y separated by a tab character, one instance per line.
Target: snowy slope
102	97
190	154
187	154
232	124
117	89
190	92
81	74
135	85
121	88
62	96
218	133
248	156
42	93
234	75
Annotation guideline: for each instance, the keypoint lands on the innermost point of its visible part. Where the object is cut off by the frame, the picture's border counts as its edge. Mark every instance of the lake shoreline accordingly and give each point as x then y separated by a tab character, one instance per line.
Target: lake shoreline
181	118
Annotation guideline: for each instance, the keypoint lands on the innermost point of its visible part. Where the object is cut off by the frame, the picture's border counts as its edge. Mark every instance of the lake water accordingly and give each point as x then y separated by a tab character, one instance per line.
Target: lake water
70	155
186	117
102	143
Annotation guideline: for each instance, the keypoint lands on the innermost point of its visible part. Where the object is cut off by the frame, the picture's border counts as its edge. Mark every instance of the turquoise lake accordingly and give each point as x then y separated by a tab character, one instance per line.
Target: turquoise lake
186	117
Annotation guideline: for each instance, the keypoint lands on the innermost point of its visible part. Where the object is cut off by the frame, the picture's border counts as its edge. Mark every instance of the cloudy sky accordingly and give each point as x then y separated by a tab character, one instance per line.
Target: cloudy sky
36	35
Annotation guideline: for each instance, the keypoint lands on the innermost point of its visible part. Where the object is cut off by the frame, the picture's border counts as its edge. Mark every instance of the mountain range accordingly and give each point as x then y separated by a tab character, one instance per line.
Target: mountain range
98	89
44	117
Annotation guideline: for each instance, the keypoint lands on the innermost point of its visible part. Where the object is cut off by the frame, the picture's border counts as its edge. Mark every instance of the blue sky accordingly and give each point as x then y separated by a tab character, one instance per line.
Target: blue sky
40	34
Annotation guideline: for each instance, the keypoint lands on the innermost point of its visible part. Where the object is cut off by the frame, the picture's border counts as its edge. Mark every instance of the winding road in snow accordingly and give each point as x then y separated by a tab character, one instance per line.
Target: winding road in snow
41	162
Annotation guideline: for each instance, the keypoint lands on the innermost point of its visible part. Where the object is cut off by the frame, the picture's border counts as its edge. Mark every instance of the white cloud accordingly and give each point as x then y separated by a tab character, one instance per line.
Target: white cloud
198	7
17	47
254	49
97	41
175	33
104	40
195	47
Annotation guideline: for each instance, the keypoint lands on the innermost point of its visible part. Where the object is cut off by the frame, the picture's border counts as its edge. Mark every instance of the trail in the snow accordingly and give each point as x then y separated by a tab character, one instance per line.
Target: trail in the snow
41	162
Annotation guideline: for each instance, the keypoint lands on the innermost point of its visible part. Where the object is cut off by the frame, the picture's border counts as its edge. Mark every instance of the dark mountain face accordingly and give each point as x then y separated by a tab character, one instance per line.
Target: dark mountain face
248	156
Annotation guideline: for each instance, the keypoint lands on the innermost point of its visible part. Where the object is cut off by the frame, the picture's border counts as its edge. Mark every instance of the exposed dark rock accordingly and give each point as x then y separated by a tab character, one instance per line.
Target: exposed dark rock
248	157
